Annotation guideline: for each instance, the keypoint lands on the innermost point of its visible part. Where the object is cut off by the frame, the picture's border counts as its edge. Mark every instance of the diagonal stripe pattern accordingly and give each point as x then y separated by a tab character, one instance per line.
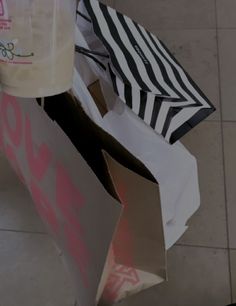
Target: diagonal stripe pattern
145	75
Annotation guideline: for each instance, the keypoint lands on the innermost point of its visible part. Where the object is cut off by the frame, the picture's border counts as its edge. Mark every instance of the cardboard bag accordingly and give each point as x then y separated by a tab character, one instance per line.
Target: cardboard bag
84	185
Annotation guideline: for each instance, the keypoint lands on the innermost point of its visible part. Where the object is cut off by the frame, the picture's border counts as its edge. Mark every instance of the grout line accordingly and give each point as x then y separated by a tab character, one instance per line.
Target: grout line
218	121
202	246
212	121
190	29
22	232
227	28
229	121
182	29
223	154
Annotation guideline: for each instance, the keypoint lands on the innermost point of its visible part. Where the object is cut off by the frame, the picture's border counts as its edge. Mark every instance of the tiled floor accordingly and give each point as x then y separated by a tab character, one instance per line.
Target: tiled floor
202	266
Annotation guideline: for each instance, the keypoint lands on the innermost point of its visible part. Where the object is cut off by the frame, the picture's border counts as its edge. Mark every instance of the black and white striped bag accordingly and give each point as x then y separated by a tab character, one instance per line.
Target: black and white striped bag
141	70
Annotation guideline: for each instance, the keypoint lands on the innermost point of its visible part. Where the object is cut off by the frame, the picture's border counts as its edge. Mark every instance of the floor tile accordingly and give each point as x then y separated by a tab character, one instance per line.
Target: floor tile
32	273
196	50
233	272
197	276
165	14
208	225
230	172
226	13
17	210
227	51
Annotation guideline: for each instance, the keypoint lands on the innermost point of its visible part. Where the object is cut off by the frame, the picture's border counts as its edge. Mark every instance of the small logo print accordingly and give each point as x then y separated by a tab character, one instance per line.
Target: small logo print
141	54
10	53
3	9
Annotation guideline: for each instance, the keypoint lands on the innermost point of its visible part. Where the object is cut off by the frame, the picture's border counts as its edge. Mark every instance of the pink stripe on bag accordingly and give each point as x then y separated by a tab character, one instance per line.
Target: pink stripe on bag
9	106
38	161
62	211
123	247
44	208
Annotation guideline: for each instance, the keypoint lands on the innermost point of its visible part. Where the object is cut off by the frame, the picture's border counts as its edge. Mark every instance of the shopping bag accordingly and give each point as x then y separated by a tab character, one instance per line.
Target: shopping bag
80	200
36	46
173	166
142	71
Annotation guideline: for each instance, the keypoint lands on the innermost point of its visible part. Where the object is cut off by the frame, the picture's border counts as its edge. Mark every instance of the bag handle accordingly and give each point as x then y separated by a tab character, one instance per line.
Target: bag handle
80	89
83	16
88	53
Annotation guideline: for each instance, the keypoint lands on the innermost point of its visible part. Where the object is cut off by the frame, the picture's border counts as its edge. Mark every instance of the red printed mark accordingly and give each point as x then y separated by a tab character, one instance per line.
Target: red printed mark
123	244
9	107
38	157
70	201
78	250
119	278
44	207
2	10
1	138
13	129
5	22
68	198
123	247
11	156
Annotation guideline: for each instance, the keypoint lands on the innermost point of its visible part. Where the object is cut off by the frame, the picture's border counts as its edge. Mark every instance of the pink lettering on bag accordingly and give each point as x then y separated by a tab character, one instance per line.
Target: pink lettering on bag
68	197
123	244
70	201
44	207
38	157
2	10
123	248
11	156
78	250
9	104
1	137
119	278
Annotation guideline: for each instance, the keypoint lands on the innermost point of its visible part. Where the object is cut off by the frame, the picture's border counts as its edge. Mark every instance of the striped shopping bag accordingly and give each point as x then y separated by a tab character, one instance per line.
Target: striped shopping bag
142	71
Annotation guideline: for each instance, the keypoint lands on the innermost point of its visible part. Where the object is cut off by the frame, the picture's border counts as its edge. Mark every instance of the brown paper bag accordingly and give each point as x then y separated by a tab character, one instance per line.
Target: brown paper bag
81	180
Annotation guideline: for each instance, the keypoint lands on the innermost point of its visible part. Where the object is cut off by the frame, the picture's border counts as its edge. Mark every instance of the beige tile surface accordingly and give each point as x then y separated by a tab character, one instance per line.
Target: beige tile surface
196	50
197	277
233	272
208	225
17	211
163	14
227	51
31	272
226	13
230	171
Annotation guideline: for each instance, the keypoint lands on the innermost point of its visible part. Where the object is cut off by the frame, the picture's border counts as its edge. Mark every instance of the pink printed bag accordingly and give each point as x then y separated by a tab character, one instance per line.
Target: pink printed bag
99	202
